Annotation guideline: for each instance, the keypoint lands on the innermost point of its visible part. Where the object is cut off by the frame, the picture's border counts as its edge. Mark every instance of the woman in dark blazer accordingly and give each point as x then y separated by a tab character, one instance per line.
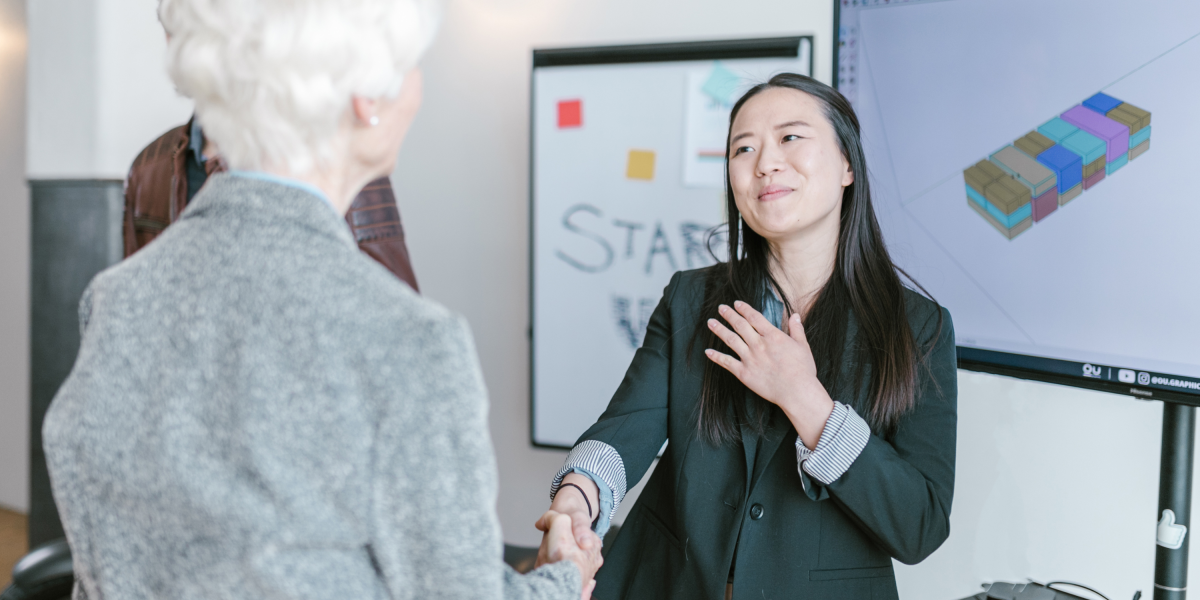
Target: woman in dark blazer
808	397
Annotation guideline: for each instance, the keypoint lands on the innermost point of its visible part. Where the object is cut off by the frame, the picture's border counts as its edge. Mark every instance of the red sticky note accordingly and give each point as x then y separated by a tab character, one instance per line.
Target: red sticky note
570	113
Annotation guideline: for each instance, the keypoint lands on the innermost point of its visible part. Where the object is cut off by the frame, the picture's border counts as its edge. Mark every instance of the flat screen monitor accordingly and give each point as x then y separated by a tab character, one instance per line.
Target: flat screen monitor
1033	166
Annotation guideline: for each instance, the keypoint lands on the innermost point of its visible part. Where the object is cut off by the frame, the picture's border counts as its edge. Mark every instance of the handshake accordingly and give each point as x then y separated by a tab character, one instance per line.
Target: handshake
567	531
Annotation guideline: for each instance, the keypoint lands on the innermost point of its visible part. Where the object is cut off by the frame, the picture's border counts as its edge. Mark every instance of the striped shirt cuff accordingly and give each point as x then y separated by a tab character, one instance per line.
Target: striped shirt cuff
597	460
843	439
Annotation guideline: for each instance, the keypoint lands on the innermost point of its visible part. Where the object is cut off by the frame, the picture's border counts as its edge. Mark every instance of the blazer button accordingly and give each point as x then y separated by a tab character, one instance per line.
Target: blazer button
756	512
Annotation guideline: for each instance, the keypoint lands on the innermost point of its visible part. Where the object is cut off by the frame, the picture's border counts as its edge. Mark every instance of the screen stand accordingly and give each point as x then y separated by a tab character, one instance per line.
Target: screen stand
1174	501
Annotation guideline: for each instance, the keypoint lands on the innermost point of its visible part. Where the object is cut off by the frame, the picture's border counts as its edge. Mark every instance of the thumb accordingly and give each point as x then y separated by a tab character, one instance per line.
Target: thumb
560	527
796	328
1168	518
543	522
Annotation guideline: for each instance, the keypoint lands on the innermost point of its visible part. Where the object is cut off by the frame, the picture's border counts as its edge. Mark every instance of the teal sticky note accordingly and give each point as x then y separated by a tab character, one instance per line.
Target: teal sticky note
721	84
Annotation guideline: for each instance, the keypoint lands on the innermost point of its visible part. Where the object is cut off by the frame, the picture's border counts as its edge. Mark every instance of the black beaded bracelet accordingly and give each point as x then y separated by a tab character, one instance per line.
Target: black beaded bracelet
585	498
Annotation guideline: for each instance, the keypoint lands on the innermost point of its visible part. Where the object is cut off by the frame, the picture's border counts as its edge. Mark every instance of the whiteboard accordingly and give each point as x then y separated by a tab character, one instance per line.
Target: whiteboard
627	163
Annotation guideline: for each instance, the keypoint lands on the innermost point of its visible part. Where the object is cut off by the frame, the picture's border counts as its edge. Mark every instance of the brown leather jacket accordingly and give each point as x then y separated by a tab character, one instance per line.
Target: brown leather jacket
156	193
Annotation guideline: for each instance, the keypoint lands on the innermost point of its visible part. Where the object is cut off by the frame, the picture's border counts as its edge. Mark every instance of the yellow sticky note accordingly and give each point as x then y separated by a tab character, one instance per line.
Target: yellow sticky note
641	165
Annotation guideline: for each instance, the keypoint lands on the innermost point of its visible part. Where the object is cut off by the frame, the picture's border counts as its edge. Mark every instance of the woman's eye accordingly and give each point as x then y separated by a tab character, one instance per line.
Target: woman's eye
741	149
790	137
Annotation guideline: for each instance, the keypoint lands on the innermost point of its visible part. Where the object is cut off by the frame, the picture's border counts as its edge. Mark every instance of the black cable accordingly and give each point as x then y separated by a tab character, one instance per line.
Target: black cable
1078	585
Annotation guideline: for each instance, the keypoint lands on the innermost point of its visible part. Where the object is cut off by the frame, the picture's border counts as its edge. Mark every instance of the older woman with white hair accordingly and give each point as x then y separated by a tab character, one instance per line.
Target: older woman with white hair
259	410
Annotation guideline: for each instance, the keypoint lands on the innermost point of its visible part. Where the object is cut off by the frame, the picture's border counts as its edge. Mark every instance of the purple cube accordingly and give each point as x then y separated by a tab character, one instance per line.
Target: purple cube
1114	134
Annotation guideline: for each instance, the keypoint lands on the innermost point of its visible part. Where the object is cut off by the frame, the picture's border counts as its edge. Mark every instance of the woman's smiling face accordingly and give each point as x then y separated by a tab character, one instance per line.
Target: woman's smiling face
786	168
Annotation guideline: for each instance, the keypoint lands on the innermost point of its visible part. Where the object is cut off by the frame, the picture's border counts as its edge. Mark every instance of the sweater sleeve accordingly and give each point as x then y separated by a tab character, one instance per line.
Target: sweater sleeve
436	533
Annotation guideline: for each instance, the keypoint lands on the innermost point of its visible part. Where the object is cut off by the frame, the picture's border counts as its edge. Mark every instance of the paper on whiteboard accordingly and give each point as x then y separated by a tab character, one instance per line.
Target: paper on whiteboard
704	134
710	95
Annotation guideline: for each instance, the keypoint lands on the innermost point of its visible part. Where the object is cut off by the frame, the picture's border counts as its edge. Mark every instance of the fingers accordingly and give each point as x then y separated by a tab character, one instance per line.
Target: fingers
588	588
730	363
740	324
584	536
560	543
581	526
755	318
590	560
589	541
796	329
731	339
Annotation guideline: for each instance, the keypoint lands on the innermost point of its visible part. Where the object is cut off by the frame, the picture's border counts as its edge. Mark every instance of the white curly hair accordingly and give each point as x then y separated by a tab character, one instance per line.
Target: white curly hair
272	79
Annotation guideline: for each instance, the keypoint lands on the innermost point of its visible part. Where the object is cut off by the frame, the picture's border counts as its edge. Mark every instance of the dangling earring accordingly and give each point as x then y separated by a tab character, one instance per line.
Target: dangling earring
374	120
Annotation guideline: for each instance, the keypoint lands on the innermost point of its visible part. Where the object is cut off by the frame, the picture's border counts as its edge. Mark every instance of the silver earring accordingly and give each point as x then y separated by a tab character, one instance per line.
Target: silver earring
374	121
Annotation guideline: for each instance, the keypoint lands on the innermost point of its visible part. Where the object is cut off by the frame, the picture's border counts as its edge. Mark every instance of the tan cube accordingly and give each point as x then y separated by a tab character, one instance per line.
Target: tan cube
1033	144
1007	194
1130	116
1097	165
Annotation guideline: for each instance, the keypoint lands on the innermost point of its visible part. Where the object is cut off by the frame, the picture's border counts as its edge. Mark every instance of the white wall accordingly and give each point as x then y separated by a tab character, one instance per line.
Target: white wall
62	89
14	262
98	87
1052	483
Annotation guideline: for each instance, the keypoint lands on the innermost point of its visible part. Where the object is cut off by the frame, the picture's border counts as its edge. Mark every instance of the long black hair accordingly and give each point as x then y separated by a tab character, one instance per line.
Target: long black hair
864	282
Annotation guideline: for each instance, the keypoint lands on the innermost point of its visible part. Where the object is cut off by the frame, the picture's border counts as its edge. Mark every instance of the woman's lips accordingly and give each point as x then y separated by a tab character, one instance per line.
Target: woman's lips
772	192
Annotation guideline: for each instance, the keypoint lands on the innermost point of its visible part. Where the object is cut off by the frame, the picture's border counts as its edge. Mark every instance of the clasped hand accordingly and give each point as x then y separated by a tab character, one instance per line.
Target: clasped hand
568	536
777	366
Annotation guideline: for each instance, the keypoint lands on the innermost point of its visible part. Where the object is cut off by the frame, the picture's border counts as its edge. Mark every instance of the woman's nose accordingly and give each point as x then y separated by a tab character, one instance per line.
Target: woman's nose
770	160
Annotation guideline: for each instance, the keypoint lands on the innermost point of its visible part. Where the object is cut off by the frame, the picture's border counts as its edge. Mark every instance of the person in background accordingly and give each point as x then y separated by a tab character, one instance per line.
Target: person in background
258	409
168	173
809	398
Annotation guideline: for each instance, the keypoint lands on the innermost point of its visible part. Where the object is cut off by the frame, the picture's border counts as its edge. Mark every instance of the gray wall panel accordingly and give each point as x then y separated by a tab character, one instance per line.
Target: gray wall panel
75	233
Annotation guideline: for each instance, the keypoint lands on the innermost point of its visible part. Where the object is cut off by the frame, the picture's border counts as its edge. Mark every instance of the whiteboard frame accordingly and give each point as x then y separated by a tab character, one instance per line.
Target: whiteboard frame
773	47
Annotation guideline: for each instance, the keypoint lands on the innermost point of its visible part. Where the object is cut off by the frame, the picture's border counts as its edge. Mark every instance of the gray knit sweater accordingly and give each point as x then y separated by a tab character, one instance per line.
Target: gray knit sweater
259	410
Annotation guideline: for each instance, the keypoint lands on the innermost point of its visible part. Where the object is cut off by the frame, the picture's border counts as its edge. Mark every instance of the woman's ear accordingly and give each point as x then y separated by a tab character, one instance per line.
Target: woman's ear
366	110
848	174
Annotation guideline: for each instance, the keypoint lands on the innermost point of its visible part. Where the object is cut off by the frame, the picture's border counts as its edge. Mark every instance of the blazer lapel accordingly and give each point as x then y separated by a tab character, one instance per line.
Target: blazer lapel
750	446
759	455
771	441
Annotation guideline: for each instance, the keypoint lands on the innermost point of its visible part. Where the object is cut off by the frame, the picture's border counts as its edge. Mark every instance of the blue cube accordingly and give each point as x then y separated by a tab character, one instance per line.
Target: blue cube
1067	165
1101	103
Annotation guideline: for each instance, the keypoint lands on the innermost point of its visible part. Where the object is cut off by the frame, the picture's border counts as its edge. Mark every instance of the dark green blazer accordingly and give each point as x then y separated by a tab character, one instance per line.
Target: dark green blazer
810	541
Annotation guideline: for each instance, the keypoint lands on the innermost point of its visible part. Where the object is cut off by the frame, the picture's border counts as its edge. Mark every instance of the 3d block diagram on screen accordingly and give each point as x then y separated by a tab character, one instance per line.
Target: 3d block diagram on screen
1024	182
